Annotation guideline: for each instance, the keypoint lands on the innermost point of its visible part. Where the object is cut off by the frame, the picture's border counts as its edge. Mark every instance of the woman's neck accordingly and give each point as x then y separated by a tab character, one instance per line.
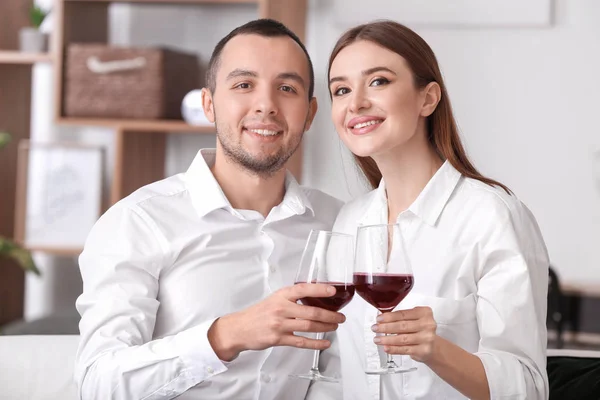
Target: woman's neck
406	170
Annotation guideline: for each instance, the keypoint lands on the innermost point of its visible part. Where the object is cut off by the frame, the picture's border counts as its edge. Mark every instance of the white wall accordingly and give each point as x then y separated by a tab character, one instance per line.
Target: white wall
524	99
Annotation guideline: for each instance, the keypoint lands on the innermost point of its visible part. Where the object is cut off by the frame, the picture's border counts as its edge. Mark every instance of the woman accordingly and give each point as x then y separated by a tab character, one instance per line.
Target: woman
474	323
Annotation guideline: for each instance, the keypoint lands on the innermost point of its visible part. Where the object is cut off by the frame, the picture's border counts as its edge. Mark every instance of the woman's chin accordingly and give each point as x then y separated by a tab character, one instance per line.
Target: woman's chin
364	151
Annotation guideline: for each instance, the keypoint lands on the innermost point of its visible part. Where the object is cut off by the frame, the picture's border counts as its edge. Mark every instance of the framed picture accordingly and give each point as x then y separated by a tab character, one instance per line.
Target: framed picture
448	14
59	195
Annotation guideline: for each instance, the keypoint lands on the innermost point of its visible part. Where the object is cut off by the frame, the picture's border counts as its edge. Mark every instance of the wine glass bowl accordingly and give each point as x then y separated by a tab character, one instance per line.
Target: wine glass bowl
328	258
383	275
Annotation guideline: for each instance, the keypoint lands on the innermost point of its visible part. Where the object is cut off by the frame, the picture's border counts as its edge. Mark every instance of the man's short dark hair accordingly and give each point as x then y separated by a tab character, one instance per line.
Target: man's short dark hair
262	27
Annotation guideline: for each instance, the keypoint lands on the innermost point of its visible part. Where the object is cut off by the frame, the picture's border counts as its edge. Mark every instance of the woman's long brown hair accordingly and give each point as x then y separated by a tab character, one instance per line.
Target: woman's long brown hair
441	125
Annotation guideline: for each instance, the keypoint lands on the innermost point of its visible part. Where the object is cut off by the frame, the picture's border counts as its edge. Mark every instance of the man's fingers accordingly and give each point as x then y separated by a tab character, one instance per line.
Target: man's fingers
303	325
300	290
314	314
304	343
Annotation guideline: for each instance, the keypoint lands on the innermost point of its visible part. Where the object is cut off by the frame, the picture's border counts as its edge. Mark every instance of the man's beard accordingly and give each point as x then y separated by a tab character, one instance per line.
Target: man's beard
264	167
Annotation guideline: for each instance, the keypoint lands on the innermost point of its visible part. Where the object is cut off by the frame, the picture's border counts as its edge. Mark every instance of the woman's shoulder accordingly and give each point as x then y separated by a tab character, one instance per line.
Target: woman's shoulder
489	197
494	204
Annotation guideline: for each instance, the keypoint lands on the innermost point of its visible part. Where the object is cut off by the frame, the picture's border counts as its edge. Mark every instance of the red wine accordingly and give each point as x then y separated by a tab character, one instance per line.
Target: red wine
343	294
383	291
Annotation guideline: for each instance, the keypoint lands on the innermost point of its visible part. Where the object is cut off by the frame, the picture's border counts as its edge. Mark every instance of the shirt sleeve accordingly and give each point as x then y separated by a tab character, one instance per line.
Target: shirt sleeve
511	309
117	358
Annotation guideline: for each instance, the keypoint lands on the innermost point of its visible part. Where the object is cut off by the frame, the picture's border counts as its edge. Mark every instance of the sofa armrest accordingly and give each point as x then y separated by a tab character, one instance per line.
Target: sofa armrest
38	367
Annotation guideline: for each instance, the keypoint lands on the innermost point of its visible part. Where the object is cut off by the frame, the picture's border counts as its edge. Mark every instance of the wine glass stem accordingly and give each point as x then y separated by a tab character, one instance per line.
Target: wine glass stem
390	360
315	367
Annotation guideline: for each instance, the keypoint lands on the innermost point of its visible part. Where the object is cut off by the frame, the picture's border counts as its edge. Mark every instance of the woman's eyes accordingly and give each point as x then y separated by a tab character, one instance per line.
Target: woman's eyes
375	82
379	82
341	91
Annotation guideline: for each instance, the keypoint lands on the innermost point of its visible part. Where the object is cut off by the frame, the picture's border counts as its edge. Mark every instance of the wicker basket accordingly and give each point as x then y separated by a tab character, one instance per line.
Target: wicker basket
111	82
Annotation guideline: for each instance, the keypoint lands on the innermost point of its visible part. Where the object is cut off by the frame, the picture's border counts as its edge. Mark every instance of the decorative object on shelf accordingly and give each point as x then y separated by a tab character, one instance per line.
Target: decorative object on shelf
31	38
104	81
59	195
8	248
192	111
4	139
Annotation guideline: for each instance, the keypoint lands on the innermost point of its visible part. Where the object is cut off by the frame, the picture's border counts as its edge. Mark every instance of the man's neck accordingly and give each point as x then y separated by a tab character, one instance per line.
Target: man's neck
246	190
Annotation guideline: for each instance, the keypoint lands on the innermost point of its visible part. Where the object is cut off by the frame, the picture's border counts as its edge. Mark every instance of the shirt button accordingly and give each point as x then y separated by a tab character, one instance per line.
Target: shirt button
210	370
273	268
266	378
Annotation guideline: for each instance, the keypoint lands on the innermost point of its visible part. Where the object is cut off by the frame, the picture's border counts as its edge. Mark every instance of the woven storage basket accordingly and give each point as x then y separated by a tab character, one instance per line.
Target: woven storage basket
112	82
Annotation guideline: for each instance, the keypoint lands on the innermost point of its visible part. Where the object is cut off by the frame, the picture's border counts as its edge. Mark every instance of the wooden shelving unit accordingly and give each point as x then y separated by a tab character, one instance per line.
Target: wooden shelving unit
140	125
141	144
17	57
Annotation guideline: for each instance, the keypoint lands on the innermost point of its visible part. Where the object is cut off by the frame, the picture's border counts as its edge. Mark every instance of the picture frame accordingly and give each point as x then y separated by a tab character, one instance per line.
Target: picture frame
59	195
449	14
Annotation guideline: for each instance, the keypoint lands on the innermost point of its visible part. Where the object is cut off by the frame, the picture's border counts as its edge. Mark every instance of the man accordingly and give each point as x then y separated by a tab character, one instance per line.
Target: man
187	281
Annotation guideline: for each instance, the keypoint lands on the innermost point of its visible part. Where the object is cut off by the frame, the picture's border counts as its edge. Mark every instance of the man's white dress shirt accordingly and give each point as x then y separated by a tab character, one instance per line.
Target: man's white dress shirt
480	263
161	265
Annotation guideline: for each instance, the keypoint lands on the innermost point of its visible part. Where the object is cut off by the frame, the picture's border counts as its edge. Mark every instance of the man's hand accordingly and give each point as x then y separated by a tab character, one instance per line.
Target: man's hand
273	321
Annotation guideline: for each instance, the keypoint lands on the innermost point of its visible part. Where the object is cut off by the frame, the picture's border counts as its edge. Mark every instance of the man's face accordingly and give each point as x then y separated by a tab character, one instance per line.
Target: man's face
260	105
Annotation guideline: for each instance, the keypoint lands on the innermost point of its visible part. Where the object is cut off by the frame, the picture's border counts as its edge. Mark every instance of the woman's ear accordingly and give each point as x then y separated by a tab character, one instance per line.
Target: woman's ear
432	94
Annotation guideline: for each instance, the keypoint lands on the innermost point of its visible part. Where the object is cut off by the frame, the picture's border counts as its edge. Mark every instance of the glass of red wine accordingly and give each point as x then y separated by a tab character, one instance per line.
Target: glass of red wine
328	258
382	275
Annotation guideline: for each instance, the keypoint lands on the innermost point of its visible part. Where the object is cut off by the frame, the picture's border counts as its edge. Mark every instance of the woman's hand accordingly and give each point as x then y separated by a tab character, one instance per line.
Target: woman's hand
413	333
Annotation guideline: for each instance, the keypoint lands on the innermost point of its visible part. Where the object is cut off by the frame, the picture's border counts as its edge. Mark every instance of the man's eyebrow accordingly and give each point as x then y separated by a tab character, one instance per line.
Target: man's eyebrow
238	72
292	76
363	73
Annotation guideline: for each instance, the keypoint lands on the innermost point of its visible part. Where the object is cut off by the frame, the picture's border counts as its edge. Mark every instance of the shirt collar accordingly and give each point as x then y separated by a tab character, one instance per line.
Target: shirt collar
208	196
294	197
428	205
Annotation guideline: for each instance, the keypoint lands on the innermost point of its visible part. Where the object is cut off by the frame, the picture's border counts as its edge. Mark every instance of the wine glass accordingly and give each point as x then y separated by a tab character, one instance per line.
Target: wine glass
328	258
382	275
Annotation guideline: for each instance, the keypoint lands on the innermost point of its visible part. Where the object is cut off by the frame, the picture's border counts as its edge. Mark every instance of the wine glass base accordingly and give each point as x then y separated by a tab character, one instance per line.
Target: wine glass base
390	370
313	376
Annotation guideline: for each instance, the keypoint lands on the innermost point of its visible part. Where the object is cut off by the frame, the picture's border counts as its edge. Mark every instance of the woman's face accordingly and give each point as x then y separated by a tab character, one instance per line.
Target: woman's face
376	106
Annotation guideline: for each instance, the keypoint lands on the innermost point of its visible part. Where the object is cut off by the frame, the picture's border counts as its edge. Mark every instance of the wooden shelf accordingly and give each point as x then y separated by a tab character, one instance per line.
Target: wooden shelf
168	1
17	57
139	125
57	251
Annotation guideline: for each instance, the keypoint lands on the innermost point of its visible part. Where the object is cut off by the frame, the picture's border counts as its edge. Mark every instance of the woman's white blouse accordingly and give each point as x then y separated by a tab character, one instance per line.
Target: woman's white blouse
480	263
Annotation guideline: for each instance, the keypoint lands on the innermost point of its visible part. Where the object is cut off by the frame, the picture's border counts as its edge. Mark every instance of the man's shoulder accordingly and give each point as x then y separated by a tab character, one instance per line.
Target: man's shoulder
154	192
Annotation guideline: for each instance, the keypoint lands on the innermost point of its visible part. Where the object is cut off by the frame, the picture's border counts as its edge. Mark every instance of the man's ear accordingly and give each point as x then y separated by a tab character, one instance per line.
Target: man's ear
433	95
207	105
312	111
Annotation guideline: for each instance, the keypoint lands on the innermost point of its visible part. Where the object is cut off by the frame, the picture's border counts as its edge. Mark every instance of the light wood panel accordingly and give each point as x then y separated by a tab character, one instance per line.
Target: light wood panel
140	125
17	57
170	1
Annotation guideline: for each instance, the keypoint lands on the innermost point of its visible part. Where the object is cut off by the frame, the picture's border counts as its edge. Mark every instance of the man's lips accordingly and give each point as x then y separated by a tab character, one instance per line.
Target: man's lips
263	129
